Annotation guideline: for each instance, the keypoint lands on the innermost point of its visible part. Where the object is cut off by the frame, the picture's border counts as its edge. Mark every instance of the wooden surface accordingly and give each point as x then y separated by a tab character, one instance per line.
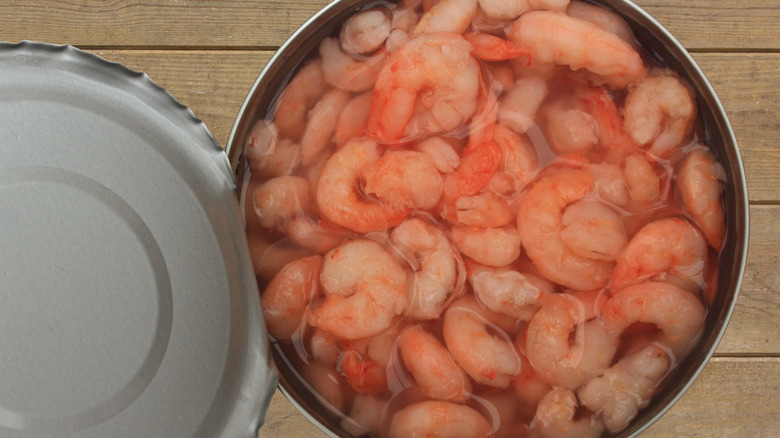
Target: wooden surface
208	53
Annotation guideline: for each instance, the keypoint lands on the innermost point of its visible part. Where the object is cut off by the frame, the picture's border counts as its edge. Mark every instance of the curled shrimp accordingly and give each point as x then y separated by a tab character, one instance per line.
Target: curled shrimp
347	73
439	419
441	153
495	247
593	230
323	119
508	291
659	112
610	182
555	417
363	374
288	295
625	387
366	31
540	222
432	366
365	288
428	86
549	350
268	156
484	210
568	126
279	200
554	37
699	183
669	247
313	234
489	359
676	312
447	16
337	194
517	109
324	347
405	179
440	278
519	159
298	97
644	185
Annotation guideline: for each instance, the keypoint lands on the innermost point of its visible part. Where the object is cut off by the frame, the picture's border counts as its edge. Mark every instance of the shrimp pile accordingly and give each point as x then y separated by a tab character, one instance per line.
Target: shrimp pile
484	218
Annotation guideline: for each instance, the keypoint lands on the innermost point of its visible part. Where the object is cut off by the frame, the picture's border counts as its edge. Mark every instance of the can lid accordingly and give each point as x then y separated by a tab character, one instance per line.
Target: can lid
128	303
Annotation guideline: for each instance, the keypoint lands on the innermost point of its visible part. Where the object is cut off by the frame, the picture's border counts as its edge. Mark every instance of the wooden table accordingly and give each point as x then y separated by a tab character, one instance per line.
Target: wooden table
207	53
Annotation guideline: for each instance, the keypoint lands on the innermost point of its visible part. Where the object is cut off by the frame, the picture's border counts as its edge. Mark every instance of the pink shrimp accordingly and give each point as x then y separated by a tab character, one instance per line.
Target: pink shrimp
495	247
428	86
613	139
699	183
507	291
447	16
347	73
404	179
279	200
540	222
517	108
593	230
363	374
519	159
352	121
323	118
432	366
665	247
558	38
439	419
492	48
366	31
337	195
298	97
555	417
484	210
644	184
269	156
604	18
287	297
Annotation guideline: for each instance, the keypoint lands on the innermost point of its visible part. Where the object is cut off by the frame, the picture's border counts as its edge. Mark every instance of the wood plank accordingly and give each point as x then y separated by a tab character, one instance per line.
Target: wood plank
733	397
710	24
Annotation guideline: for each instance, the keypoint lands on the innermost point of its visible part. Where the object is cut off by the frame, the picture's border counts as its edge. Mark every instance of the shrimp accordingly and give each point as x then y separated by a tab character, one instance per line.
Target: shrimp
441	274
432	366
447	16
280	199
593	230
485	210
553	37
298	97
287	297
643	183
699	183
352	121
441	153
337	195
404	179
517	109
519	160
492	48
268	156
365	288
439	419
604	18
315	235
489	359
555	417
553	357
529	388
363	374
366	31
502	9
669	247
365	416
428	86
540	222
507	291
659	112
327	386
625	387
613	139
495	247
323	119
324	347
676	312
568	126
347	73
610	182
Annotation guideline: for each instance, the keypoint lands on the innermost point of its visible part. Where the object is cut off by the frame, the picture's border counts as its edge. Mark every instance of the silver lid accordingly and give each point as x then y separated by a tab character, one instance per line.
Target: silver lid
128	304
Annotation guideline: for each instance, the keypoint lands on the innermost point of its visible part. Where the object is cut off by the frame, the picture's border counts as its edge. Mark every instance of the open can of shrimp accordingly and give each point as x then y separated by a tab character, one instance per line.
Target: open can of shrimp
661	57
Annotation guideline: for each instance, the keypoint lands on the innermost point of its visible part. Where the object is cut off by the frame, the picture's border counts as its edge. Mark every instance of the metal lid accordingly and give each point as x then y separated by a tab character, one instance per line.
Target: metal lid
128	303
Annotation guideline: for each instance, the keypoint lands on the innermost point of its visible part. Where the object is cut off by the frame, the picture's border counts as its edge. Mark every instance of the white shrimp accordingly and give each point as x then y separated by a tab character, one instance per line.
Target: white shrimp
365	288
489	359
451	16
517	108
406	180
699	184
593	230
366	31
288	295
625	387
659	112
347	73
298	97
441	274
268	156
280	199
669	247
540	222
439	419
507	291
432	366
555	360
553	37
495	247
555	417
323	119
428	86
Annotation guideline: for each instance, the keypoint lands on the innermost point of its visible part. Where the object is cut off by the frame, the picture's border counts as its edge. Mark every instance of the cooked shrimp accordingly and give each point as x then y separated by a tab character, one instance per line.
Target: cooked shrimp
502	9
555	417
665	247
659	112
280	199
625	387
366	31
529	388
347	73
323	119
324	347
447	16
492	48
519	160
610	182
406	180
699	183
485	210
489	359
268	156
478	166
298	97
287	297
495	247
568	126
644	185
428	86
432	366
540	222
315	235
553	357
337	195
517	108
327	386
675	311
366	415
352	121
606	19
508	291
439	419
553	37
441	274
593	230
441	153
365	288
614	141
364	375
